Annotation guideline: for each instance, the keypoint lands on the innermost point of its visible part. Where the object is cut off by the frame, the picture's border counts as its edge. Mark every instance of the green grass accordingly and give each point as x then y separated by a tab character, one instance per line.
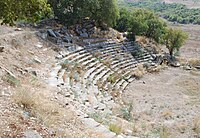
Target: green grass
115	128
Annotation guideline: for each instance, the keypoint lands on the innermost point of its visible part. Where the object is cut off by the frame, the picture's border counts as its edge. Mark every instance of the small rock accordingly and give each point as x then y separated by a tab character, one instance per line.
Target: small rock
51	33
1	49
176	64
57	34
102	106
84	35
197	67
67	39
128	132
37	60
59	57
32	134
39	45
120	136
18	29
187	68
89	122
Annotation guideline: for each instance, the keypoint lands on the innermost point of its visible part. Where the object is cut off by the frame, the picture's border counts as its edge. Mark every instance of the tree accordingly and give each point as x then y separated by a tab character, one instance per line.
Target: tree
27	10
71	11
174	39
122	24
108	12
144	22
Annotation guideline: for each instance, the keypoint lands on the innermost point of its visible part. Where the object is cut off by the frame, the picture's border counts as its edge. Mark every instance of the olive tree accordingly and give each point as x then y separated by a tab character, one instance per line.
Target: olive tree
174	39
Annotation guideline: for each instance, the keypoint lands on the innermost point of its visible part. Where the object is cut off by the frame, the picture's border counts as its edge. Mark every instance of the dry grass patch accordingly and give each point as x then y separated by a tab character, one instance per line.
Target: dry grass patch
156	69
113	78
164	132
194	62
107	63
182	127
139	72
116	128
167	114
196	126
195	72
39	106
11	80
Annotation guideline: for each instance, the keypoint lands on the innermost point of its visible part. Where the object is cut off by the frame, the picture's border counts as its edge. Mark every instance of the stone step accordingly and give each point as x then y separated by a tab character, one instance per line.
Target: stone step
106	75
85	59
119	83
124	85
147	55
124	64
75	52
91	70
131	79
81	56
97	71
101	75
87	62
92	64
75	56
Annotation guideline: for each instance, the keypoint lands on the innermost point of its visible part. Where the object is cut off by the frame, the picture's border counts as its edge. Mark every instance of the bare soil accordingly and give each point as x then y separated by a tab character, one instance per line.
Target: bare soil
168	100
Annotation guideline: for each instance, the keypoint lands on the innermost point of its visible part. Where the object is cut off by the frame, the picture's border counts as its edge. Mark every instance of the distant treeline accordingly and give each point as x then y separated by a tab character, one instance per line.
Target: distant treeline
172	12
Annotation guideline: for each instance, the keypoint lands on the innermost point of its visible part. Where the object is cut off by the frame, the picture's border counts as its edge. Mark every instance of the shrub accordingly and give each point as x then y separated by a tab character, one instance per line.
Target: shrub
139	72
27	10
194	62
115	128
11	80
126	112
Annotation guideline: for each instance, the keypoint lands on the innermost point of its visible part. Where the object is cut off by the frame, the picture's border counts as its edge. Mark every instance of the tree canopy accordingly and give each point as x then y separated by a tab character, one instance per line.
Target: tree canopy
174	39
27	10
71	11
174	12
141	22
122	24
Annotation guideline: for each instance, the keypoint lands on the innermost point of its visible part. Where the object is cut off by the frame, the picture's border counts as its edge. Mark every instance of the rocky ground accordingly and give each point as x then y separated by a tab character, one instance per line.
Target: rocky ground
36	100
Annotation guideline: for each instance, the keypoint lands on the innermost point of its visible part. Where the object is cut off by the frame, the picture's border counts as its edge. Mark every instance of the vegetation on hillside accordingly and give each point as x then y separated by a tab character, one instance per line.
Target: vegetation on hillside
26	10
173	12
174	39
141	22
146	23
71	11
135	22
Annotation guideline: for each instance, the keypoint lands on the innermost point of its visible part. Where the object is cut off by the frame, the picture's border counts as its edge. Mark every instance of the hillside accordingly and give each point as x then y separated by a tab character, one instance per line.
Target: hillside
188	3
53	87
73	69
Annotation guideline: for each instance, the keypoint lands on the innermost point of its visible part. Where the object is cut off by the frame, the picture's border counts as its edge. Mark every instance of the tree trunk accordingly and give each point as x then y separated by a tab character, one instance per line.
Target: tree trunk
171	52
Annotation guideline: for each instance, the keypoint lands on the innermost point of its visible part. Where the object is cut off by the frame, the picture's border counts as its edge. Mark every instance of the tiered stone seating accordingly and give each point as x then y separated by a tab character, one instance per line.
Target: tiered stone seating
106	59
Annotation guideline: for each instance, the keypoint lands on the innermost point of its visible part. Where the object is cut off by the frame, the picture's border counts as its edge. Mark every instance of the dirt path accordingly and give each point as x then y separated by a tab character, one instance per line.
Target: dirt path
169	99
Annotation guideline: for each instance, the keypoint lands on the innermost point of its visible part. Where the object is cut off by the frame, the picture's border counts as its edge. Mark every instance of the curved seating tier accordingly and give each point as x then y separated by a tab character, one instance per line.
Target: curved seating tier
104	60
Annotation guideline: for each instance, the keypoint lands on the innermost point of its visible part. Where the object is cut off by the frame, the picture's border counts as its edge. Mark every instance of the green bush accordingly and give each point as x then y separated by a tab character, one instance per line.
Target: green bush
72	11
140	22
27	10
145	22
